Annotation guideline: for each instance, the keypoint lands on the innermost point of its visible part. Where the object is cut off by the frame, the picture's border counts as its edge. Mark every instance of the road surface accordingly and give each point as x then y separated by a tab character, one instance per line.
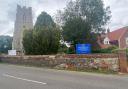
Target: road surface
20	77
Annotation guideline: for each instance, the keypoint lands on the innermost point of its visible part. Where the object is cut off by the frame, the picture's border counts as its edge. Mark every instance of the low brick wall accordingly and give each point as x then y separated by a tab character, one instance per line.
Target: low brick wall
93	62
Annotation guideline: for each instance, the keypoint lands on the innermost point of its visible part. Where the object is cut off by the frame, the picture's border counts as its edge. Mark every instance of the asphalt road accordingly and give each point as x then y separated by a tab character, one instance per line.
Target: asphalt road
19	77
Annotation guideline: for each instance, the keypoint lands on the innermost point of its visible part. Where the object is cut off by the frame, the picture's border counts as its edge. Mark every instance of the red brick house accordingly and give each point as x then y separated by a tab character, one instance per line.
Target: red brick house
117	38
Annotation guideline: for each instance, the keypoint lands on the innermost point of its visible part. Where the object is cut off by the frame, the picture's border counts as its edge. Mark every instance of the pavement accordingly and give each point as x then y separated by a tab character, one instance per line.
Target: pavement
21	77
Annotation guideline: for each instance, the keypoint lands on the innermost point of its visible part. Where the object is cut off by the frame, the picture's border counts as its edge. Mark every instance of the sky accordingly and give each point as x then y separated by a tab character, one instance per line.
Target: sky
119	9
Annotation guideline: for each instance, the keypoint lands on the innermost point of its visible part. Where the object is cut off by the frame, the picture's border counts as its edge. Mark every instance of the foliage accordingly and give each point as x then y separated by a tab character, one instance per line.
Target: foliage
92	11
5	44
46	41
112	49
117	50
62	49
71	50
95	13
28	41
71	32
44	20
83	20
83	35
44	38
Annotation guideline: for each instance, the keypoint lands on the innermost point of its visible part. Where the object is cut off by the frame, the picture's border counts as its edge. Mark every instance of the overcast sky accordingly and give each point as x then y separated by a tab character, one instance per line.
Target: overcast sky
119	9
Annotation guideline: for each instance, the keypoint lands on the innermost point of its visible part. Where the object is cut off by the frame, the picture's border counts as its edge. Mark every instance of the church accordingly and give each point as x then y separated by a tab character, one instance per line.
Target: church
24	21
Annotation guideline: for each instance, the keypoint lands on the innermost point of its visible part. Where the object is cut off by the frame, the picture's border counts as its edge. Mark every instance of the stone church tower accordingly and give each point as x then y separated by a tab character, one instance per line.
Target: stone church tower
24	21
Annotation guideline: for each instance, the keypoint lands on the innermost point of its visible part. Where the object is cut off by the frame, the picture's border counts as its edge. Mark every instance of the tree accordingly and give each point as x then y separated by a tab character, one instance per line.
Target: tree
92	11
28	41
44	38
44	20
95	13
83	20
5	44
46	41
76	30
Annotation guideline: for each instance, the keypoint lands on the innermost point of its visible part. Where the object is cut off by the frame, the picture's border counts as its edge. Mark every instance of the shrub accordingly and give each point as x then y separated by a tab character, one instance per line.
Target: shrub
107	50
63	48
71	50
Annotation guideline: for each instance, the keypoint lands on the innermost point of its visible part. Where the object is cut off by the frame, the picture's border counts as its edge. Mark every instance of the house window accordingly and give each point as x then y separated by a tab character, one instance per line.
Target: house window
106	40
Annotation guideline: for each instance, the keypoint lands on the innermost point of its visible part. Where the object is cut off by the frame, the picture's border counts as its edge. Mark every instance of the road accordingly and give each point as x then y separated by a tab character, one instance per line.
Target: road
20	77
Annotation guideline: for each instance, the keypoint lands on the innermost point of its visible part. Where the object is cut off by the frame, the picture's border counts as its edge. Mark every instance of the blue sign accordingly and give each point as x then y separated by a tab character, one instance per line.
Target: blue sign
83	48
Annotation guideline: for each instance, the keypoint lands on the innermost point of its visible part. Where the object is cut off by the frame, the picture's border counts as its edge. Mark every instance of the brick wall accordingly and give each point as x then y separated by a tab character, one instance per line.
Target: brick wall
93	62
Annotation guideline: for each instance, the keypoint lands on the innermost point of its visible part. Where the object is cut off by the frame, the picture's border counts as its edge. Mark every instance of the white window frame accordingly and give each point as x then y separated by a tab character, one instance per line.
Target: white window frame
106	41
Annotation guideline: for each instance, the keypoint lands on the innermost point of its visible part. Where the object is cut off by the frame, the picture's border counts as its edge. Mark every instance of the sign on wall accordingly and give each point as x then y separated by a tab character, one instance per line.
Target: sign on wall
83	48
12	52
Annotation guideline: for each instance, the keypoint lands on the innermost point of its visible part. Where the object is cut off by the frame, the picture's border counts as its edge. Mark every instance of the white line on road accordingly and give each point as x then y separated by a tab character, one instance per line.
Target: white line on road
6	75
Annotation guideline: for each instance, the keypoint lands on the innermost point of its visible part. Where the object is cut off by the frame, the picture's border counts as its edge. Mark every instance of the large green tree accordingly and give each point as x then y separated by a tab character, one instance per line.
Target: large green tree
76	30
92	11
5	44
44	38
28	41
44	20
82	20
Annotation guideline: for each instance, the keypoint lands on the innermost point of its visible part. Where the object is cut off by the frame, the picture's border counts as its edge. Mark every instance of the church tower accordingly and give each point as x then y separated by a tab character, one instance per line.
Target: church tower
24	21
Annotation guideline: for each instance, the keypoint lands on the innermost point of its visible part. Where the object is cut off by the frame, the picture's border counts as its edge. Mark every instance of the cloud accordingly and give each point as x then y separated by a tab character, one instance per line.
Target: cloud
119	10
6	18
8	11
49	6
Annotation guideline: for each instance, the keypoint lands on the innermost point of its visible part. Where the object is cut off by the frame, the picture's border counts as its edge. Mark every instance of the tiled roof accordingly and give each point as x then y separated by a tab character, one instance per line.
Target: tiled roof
115	35
103	46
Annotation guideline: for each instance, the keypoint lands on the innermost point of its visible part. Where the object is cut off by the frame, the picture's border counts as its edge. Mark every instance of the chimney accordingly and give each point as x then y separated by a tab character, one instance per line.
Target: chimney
108	30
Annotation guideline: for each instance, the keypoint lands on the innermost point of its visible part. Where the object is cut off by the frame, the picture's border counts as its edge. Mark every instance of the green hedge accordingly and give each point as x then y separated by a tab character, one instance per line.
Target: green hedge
107	50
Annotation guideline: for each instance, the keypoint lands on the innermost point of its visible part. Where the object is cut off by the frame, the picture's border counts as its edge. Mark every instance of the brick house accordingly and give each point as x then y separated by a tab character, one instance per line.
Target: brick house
115	38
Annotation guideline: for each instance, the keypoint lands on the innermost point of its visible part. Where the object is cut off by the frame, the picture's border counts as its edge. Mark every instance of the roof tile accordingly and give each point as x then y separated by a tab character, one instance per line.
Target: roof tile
115	35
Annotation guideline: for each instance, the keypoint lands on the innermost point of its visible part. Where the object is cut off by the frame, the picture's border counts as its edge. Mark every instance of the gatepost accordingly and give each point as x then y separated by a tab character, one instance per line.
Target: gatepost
123	63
